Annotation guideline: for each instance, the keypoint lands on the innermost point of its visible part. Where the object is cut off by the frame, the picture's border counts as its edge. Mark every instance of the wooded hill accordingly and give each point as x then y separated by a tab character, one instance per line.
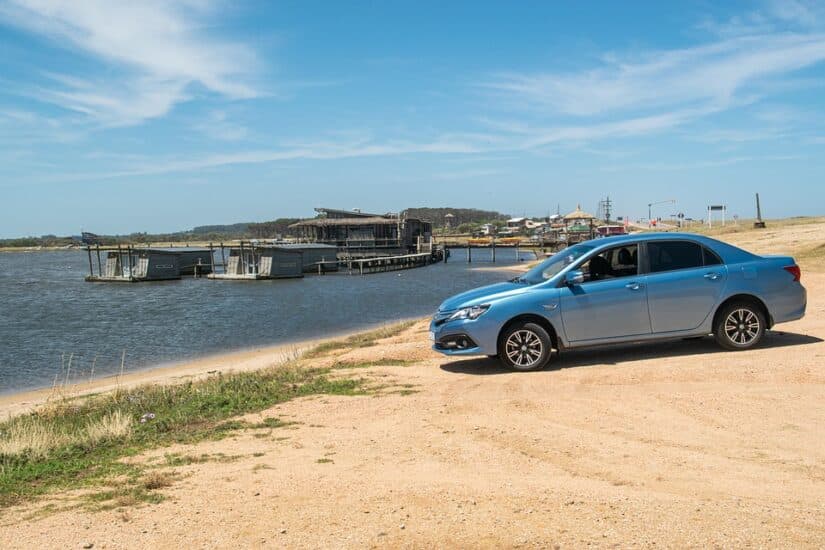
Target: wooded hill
438	216
252	230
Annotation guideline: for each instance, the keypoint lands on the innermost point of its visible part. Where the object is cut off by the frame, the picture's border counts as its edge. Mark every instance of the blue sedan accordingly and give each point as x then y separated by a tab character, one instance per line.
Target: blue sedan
632	288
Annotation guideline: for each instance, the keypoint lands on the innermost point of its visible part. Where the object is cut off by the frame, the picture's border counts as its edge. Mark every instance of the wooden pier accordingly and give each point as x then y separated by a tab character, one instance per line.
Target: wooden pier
363	266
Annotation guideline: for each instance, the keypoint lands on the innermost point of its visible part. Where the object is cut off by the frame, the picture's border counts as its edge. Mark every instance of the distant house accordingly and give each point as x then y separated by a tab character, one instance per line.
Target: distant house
488	229
578	217
517	223
579	225
449	220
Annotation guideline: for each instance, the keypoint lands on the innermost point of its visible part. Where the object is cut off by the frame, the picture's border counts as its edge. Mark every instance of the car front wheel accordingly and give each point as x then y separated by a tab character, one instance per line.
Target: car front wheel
525	347
740	326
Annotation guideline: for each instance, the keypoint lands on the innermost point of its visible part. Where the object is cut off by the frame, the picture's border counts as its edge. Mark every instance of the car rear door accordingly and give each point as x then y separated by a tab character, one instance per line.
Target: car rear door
684	283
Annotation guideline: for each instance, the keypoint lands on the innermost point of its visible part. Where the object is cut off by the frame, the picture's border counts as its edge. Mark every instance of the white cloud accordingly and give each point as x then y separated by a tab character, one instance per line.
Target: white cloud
799	12
217	125
679	166
308	151
710	74
157	50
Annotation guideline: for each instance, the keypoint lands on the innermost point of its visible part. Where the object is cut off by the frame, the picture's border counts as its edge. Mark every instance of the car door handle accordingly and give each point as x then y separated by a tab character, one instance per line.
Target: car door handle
634	286
712	276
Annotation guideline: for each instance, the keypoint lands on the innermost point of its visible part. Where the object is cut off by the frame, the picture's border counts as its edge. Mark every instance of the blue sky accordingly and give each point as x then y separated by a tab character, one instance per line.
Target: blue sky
159	115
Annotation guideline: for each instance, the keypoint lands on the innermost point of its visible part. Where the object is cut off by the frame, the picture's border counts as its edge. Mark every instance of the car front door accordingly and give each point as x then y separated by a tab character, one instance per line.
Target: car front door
610	303
684	283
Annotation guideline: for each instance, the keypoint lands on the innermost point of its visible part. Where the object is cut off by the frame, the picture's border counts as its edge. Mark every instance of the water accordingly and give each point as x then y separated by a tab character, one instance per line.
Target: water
49	313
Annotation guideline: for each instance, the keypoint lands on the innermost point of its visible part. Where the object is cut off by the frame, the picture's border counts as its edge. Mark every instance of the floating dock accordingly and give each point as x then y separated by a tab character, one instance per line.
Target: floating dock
243	261
129	264
253	262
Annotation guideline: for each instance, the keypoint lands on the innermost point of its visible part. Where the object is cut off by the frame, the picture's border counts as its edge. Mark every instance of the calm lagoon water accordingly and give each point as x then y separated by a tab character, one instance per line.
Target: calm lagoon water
48	312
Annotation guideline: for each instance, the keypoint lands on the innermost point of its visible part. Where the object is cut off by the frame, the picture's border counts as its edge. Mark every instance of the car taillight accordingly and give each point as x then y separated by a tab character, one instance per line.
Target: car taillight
795	271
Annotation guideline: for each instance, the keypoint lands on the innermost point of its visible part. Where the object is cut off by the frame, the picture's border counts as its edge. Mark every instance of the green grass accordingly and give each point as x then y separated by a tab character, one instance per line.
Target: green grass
362	340
80	443
389	362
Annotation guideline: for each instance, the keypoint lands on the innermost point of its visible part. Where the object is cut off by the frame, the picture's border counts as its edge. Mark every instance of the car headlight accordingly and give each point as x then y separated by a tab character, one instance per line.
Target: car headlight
472	312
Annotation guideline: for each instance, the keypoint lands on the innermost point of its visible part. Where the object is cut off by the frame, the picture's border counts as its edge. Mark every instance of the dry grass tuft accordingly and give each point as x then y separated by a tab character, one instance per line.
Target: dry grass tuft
29	436
115	425
157	480
36	436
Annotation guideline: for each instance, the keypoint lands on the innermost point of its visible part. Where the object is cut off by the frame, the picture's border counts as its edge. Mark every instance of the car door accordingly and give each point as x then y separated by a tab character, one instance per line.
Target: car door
684	283
603	308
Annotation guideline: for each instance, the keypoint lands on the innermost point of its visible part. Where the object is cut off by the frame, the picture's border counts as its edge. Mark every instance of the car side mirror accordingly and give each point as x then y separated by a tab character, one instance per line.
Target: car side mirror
575	277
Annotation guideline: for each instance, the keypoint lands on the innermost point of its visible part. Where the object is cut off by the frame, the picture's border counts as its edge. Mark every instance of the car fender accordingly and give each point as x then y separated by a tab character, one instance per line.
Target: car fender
541	302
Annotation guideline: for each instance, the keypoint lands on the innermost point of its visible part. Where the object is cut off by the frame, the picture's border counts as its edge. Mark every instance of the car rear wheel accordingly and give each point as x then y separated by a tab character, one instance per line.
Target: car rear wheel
740	326
525	347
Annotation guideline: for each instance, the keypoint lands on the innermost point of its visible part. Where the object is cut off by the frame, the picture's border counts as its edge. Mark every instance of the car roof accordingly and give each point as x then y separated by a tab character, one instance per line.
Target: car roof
728	252
635	237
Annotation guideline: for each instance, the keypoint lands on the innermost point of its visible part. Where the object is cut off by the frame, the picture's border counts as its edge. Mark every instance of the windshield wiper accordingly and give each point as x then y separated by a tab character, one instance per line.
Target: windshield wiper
520	280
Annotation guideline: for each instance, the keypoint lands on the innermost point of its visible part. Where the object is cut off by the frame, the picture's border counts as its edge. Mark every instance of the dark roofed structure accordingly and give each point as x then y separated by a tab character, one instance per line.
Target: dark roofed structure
363	234
336	213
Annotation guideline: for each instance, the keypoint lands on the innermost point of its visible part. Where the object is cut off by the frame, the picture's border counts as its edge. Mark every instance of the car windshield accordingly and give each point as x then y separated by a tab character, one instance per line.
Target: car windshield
554	264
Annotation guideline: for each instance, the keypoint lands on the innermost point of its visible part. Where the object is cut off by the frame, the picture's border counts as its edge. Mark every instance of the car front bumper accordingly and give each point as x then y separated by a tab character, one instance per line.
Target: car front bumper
463	337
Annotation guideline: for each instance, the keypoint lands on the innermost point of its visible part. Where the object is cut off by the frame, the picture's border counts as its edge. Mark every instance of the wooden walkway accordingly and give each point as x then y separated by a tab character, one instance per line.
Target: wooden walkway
364	266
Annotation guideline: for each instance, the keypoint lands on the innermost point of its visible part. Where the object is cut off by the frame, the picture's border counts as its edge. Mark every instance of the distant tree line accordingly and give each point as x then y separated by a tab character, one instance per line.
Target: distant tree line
461	216
465	218
269	230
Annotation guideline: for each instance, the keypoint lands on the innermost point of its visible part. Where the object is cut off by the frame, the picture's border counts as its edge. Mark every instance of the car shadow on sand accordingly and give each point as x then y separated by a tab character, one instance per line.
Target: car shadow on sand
622	353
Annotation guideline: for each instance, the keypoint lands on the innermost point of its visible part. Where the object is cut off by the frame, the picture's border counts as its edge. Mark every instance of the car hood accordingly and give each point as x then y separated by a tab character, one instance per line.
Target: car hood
482	295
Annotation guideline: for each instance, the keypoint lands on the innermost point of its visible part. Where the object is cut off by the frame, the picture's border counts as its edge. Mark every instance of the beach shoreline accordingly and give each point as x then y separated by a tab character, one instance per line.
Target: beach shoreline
176	372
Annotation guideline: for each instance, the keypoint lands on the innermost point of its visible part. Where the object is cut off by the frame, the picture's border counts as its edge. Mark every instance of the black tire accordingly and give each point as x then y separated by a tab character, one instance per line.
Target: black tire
740	326
525	347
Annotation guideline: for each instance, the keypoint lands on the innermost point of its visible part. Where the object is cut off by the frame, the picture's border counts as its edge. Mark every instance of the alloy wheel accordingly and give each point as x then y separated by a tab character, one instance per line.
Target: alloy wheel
742	326
524	348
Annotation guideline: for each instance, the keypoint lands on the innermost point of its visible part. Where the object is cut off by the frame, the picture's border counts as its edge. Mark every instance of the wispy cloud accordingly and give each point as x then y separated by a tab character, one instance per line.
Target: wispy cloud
747	59
309	151
808	13
529	136
708	75
676	166
156	52
19	127
217	125
466	174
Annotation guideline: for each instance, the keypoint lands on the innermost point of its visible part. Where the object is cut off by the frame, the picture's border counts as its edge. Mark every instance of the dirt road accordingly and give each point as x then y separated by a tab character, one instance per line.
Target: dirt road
672	445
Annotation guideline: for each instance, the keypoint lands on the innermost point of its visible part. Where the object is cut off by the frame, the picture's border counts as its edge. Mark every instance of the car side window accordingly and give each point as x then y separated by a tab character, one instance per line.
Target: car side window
711	258
673	255
621	261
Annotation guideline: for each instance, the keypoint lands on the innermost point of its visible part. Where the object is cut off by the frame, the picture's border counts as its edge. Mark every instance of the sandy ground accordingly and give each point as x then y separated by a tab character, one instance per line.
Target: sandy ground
665	445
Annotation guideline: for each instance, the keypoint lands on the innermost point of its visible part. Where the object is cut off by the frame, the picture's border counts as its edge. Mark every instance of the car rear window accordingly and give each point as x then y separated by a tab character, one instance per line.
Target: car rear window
672	255
711	258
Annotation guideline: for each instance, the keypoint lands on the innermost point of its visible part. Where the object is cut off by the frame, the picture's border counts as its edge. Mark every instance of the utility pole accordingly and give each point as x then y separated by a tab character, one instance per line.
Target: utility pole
607	209
758	224
650	206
